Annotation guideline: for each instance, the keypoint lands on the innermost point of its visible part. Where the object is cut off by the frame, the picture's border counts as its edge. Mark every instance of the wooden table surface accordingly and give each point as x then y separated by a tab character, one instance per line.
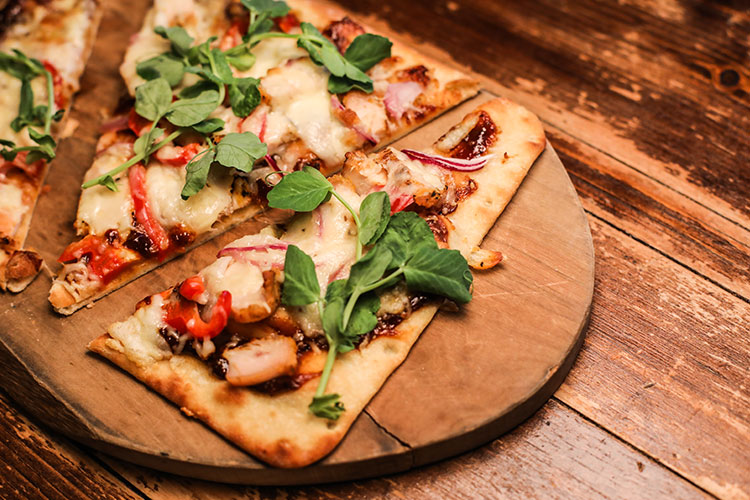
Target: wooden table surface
648	105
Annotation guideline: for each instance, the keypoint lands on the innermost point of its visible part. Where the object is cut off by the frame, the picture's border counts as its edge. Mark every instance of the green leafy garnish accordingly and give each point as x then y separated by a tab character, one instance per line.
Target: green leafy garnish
402	248
235	150
26	69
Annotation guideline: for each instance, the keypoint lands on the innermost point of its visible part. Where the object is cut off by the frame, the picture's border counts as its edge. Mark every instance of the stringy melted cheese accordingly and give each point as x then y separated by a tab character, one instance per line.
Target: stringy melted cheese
101	209
299	90
164	184
139	334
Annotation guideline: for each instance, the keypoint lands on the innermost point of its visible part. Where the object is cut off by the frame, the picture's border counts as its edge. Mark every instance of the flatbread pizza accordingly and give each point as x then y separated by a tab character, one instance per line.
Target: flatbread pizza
227	93
281	342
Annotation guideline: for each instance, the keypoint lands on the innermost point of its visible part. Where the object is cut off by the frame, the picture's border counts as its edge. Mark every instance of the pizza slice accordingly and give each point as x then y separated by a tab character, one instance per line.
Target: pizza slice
281	342
44	46
227	93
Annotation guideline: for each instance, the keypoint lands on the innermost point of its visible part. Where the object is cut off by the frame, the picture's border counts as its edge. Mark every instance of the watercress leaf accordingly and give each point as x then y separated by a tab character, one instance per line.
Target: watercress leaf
39	153
439	271
9	154
343	84
243	61
25	108
143	145
336	290
223	71
331	320
300	281
374	213
186	112
153	98
367	50
368	269
167	66
20	66
109	183
196	89
179	38
327	406
272	8
240	151
301	191
45	140
196	174
332	60
363	318
209	126
405	232
58	115
6	142
244	96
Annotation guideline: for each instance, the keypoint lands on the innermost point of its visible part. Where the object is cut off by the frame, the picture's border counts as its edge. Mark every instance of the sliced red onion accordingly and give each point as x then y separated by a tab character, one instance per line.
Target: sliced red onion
115	124
336	103
272	163
364	134
400	96
232	251
458	164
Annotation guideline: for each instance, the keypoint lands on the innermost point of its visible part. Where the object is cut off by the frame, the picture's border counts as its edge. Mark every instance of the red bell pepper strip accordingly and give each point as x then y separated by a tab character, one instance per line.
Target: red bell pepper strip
152	228
183	316
193	287
104	259
57	84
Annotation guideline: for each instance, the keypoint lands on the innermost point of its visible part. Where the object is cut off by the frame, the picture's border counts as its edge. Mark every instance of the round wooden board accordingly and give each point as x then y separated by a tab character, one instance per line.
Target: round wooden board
472	375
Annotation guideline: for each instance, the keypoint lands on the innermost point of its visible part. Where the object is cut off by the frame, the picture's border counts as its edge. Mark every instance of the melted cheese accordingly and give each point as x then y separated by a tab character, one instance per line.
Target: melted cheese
163	187
299	91
242	279
101	209
139	334
271	53
12	208
200	18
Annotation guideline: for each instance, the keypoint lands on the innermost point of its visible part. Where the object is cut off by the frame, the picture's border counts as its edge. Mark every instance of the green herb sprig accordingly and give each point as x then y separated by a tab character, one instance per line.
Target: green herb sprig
41	116
402	247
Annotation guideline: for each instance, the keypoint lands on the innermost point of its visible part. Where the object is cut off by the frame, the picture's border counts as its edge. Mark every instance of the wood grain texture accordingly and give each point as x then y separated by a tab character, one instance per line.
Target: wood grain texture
666	364
555	454
37	466
627	77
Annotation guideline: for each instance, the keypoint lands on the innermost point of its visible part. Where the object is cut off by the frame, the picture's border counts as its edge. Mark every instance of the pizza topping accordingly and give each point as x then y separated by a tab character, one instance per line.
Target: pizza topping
103	260
183	316
260	360
470	138
22	265
139	335
343	33
194	289
482	259
403	248
461	165
36	119
400	97
143	214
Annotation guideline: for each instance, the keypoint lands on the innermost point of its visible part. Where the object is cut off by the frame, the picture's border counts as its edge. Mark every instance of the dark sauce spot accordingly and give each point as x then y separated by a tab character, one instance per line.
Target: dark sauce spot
9	13
112	236
220	367
141	243
478	140
170	336
284	383
181	237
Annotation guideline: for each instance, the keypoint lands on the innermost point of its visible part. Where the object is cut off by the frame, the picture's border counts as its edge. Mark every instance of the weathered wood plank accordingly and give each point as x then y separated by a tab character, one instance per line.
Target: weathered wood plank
666	363
555	451
651	212
37	465
617	76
